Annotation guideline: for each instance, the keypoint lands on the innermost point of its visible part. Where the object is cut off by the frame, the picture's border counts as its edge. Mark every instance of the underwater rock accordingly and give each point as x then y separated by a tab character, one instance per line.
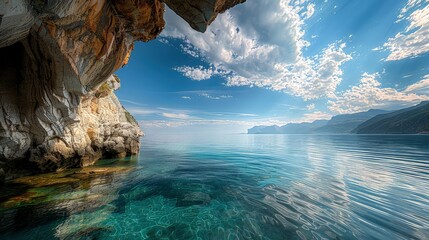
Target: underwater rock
89	233
39	189
57	104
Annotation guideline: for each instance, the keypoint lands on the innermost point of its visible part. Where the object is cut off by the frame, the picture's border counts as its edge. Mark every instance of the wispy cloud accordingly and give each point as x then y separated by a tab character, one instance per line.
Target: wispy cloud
248	115
142	111
132	102
420	87
186	97
206	95
160	112
414	39
186	114
163	40
176	115
411	4
311	107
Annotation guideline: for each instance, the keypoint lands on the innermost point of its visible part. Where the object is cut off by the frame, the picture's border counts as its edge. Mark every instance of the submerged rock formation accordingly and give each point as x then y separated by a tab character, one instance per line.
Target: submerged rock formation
57	106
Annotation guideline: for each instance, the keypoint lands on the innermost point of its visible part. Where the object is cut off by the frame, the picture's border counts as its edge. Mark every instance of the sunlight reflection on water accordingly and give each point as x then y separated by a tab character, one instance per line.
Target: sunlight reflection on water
238	186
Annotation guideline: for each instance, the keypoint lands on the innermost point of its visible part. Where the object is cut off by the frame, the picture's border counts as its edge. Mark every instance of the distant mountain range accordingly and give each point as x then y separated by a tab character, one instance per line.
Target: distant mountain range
409	120
338	124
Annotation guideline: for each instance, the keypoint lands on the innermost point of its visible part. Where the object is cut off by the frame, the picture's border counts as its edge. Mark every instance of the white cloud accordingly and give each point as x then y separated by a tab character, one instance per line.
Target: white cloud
420	87
410	5
141	111
163	40
131	102
161	112
176	115
309	78
248	115
191	50
311	107
369	94
206	95
414	40
378	49
161	124
261	43
196	73
310	11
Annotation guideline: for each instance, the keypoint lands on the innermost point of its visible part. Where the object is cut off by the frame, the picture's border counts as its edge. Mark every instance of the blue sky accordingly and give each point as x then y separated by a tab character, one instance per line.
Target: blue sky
270	62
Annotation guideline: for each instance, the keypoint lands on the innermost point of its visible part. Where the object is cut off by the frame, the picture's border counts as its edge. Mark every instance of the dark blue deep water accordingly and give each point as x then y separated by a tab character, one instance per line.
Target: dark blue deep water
234	187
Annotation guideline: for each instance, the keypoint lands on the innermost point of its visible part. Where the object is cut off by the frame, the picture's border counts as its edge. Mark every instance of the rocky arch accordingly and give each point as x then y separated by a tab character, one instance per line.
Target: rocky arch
57	102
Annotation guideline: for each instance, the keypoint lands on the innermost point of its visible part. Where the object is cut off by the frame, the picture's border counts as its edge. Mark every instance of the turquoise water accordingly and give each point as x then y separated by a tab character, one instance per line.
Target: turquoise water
239	187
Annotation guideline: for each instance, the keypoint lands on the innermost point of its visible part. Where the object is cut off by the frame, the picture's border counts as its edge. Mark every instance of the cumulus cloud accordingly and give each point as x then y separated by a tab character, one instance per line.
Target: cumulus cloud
263	49
189	49
196	73
369	94
414	40
309	78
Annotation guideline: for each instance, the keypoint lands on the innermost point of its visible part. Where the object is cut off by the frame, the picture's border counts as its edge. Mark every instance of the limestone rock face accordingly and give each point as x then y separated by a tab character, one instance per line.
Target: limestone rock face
57	106
103	128
199	14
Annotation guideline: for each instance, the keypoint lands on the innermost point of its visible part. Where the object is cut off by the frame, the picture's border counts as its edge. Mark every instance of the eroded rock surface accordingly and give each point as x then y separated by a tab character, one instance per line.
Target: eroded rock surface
199	14
57	106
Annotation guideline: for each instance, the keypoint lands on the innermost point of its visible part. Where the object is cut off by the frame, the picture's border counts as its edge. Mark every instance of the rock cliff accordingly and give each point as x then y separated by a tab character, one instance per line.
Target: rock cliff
57	106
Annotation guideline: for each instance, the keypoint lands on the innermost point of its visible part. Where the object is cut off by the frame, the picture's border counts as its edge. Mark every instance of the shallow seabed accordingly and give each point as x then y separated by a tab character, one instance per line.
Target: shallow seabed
233	187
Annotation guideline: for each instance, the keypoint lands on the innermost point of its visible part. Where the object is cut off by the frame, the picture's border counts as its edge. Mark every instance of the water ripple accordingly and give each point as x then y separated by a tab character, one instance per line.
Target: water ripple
239	187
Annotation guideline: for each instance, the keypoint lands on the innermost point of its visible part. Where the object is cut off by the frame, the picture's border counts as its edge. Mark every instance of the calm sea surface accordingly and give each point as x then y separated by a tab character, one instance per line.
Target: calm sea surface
233	187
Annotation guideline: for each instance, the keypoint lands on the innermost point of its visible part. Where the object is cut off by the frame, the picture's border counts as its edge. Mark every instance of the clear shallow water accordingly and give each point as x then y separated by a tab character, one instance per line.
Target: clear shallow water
235	187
